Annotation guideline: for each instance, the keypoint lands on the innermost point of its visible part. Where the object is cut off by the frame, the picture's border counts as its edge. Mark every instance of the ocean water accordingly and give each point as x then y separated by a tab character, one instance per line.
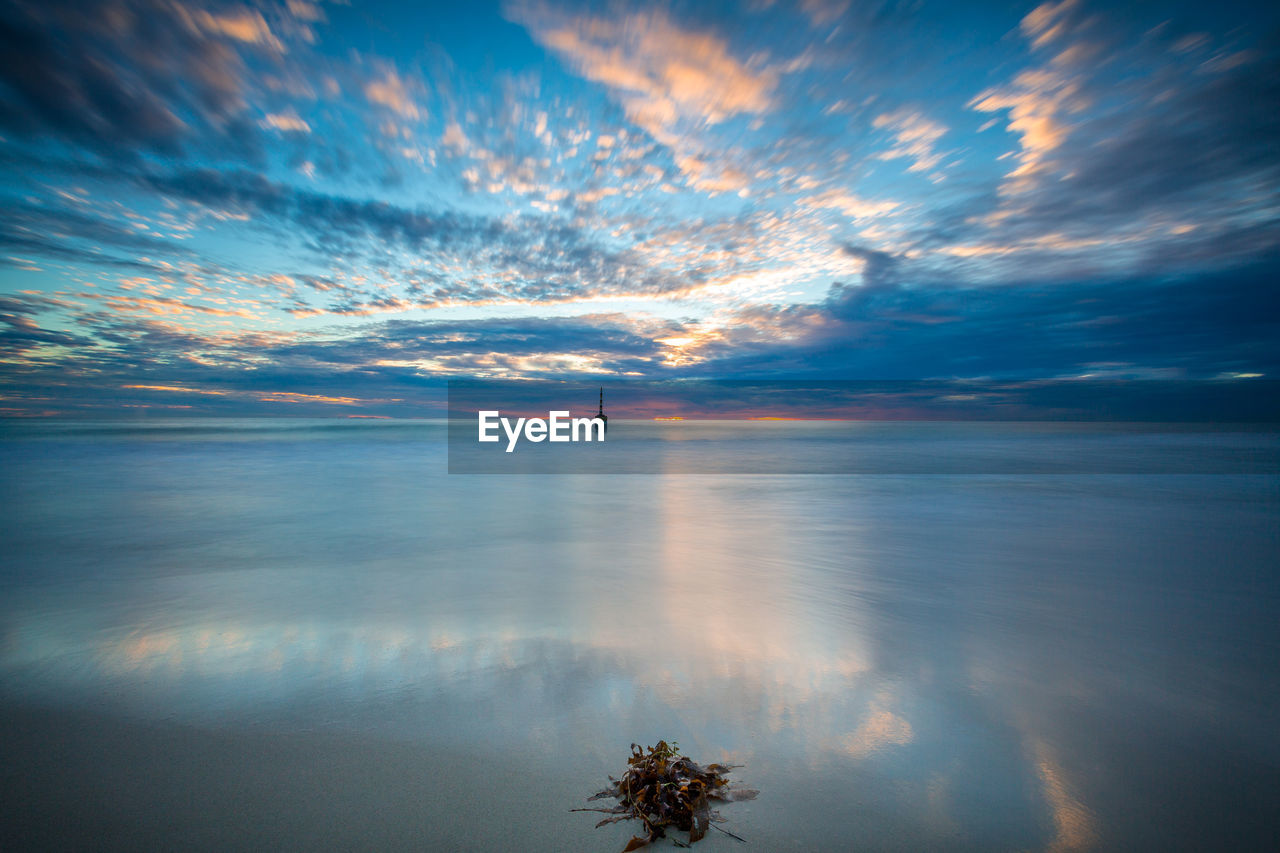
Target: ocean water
294	634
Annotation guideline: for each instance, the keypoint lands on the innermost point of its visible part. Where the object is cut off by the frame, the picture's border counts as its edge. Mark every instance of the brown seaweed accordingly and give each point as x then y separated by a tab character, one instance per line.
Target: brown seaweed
663	789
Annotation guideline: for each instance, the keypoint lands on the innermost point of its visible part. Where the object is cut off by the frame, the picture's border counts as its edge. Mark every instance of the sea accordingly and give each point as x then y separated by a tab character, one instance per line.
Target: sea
306	634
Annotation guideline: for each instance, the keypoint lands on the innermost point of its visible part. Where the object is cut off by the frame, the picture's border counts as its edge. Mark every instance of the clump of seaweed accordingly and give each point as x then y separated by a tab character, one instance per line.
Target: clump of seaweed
662	789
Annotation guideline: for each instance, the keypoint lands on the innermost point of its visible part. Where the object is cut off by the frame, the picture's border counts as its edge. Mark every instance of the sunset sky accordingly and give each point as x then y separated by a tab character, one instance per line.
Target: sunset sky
327	209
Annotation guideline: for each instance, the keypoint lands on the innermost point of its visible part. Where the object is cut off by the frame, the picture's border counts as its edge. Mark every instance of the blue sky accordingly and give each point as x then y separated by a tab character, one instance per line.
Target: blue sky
321	208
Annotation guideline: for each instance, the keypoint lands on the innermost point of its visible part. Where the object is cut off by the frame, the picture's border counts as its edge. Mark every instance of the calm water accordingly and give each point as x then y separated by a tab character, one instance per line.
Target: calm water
301	634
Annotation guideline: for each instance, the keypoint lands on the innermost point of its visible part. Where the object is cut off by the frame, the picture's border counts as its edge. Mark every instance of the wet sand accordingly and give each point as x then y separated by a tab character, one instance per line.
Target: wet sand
75	781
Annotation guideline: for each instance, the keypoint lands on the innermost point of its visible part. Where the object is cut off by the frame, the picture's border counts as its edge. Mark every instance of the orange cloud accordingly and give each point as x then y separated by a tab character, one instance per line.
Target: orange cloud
265	396
177	389
288	122
246	25
293	397
848	204
915	136
391	92
165	305
670	80
1040	100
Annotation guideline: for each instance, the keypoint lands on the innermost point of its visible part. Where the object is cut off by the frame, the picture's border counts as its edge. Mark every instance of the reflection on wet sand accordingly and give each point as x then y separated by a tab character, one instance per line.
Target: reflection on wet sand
900	663
1073	822
718	643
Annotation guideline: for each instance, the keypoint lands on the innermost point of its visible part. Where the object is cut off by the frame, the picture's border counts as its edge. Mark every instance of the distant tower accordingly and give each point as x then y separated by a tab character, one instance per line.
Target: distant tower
601	415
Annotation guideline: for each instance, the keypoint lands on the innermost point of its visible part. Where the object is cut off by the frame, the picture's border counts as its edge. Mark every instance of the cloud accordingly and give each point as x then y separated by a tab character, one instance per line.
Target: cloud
389	367
1199	325
672	81
167	305
245	25
287	122
120	77
57	230
915	136
390	91
1042	101
848	204
664	74
823	13
528	259
305	11
276	204
1110	131
22	333
1039	104
1054	22
886	328
879	269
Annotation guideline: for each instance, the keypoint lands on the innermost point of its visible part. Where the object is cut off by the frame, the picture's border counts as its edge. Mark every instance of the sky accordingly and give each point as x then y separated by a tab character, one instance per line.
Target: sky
307	208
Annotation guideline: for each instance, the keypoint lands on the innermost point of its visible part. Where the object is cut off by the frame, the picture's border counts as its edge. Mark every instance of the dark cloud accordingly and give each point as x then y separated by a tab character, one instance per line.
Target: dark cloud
119	77
393	360
1155	136
1195	326
879	275
1194	143
22	333
67	233
551	259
